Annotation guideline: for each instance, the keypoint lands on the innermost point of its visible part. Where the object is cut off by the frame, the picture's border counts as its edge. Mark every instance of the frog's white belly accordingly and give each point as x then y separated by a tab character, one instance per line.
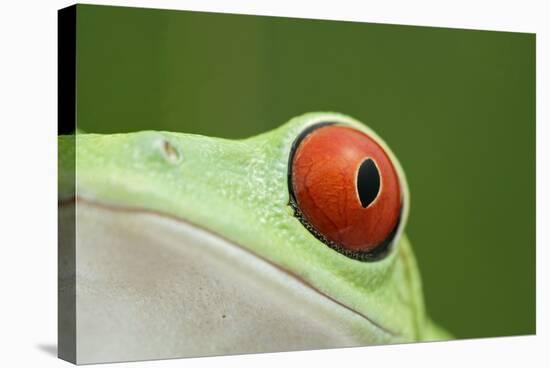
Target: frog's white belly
151	287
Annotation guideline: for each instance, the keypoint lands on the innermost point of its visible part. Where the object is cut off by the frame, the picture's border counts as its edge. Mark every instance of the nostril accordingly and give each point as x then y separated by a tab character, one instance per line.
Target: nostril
170	152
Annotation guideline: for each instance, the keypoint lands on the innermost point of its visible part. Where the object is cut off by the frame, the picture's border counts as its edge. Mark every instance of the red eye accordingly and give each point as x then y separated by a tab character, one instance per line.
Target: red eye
346	190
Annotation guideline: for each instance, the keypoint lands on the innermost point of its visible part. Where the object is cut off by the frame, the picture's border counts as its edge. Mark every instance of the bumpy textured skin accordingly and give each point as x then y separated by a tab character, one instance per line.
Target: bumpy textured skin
238	189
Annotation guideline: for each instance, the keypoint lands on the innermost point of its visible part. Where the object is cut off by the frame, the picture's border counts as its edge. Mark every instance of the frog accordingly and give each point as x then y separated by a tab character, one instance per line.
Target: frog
182	245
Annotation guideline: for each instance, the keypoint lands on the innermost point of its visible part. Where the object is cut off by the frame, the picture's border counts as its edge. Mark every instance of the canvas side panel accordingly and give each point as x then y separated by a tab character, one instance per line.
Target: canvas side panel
66	309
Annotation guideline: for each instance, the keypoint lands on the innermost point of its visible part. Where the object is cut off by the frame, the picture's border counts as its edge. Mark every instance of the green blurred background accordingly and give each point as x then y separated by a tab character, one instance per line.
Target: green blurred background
456	106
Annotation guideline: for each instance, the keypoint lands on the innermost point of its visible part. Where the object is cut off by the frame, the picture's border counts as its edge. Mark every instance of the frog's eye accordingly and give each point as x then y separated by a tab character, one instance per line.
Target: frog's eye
345	190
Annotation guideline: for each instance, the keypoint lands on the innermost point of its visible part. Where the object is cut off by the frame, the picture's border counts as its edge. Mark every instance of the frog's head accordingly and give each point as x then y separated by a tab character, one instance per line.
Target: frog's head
191	245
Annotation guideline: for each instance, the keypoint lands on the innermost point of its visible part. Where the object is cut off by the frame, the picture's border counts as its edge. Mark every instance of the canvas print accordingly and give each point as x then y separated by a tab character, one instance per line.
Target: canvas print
234	184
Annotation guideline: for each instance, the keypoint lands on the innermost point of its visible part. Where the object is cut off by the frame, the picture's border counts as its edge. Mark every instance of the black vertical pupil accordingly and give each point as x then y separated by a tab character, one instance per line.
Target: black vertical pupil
368	182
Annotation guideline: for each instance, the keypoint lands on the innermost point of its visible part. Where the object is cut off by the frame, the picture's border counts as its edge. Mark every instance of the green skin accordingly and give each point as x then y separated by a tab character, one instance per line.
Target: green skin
238	190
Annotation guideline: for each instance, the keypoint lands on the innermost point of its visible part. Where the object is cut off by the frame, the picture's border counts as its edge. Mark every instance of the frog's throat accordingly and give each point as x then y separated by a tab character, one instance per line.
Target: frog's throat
328	308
